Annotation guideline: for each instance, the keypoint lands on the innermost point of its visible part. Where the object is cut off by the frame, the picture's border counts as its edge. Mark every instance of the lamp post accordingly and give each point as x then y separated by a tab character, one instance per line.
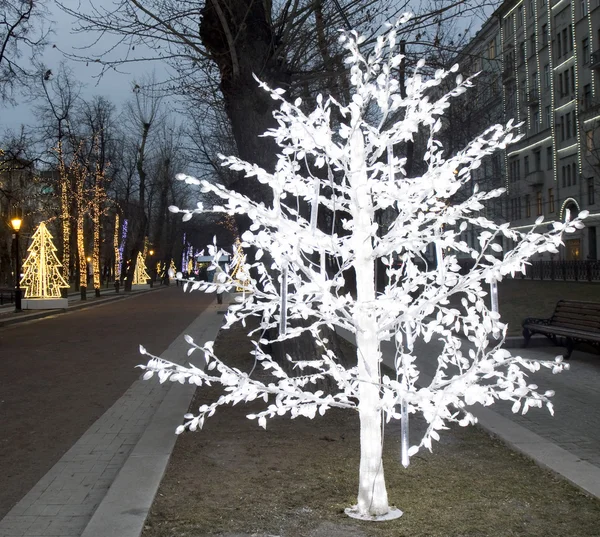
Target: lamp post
151	261
15	223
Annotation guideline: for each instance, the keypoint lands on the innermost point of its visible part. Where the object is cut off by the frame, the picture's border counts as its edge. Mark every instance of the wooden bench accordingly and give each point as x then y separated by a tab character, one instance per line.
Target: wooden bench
572	322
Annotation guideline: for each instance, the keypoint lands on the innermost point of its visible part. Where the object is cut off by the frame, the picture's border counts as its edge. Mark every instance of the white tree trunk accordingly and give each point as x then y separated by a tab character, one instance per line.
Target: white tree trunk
372	494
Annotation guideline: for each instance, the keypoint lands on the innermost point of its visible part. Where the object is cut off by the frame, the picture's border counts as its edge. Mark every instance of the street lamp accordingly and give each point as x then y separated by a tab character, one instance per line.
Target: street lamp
15	224
151	261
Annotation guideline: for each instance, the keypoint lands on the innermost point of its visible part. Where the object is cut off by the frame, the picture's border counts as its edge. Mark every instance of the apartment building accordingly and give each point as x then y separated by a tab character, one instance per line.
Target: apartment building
549	53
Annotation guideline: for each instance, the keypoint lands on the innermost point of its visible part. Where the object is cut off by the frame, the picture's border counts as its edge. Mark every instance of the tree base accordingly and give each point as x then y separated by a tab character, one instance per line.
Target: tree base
392	514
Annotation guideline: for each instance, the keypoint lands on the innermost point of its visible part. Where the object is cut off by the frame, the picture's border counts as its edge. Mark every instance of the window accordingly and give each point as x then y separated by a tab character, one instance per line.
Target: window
537	159
531	7
548	117
520	16
572	80
585	51
568	170
574	123
558	45
589	141
546	76
565	41
590	191
567	121
586	101
492	49
549	159
560	84
535	123
532	43
526	165
584	8
544	35
564	177
551	200
539	204
574	173
527	205
562	129
522	52
566	80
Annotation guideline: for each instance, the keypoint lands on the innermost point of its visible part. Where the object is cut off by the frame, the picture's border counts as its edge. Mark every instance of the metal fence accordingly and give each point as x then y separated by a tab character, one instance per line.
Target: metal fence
573	271
564	270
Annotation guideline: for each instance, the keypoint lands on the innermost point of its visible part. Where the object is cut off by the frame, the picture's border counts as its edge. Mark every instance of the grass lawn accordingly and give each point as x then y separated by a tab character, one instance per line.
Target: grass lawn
234	479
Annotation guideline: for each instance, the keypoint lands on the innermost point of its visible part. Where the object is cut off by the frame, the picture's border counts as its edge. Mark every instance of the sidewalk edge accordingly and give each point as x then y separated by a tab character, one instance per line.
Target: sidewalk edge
124	509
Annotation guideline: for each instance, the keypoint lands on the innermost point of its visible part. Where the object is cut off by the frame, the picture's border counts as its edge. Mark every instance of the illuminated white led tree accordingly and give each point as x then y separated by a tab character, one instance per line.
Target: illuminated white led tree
140	274
352	169
41	269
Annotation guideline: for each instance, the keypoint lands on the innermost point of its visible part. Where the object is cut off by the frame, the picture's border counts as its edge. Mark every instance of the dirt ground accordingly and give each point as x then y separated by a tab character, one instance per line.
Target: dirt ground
234	479
60	374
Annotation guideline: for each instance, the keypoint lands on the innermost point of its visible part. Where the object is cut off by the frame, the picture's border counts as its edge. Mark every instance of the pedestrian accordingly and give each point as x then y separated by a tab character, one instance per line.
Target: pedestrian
218	279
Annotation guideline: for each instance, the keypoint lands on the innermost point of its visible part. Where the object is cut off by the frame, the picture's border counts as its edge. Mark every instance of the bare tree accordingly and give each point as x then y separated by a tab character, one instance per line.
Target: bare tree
22	36
144	113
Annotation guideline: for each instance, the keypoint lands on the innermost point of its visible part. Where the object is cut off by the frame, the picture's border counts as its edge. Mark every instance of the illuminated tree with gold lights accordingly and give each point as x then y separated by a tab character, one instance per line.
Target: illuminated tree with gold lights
140	275
238	273
42	277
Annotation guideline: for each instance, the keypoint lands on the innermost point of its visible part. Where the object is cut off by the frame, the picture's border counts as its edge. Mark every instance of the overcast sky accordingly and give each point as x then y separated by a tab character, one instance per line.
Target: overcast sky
114	86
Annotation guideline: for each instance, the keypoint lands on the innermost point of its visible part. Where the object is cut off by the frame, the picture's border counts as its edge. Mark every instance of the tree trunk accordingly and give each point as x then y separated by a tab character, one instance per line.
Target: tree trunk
240	39
372	494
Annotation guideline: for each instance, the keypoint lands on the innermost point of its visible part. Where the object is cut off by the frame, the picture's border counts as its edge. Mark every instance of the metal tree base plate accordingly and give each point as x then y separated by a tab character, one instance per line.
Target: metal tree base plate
392	514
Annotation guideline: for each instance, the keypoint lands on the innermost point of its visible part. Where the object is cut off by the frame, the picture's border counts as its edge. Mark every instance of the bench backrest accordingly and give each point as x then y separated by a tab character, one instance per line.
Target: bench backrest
578	315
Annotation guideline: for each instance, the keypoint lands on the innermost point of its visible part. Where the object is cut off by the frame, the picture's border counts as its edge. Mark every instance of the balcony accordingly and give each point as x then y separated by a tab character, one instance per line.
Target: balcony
595	60
533	97
535	179
508	75
588	104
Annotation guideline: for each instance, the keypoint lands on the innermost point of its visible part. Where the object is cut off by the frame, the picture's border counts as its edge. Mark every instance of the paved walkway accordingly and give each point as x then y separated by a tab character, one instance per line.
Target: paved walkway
106	482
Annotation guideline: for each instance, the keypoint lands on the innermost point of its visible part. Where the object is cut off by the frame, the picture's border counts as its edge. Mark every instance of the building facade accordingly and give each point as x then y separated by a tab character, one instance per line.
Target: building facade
548	53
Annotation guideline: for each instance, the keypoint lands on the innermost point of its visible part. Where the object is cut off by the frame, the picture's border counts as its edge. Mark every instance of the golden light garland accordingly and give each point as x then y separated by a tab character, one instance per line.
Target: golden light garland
65	213
42	277
140	275
238	272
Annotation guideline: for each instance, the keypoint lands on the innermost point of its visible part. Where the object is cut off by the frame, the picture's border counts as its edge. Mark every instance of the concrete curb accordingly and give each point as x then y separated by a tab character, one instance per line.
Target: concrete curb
22	318
580	473
124	509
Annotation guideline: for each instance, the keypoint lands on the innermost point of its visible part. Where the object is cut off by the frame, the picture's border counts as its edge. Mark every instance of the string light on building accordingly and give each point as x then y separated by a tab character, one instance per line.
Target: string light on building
42	277
537	63
591	42
526	50
577	105
552	103
516	67
504	67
